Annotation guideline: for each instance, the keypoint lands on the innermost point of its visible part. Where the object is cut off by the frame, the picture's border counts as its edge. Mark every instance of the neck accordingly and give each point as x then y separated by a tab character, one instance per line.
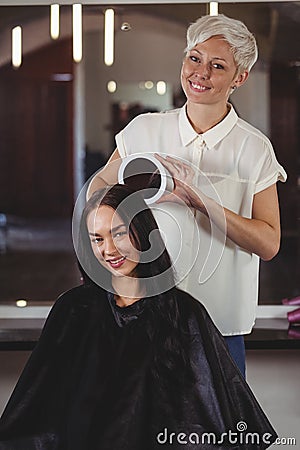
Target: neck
128	290
205	117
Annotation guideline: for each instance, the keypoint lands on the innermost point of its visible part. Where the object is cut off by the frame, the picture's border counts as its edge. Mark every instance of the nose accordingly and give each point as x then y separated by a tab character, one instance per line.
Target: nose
109	247
203	72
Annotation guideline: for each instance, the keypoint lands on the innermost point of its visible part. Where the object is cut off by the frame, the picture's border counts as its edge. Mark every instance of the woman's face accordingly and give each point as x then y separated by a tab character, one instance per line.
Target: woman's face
209	72
110	241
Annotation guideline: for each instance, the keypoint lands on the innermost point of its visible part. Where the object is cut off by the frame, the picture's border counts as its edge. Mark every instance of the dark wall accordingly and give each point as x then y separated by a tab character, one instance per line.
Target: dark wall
36	135
285	134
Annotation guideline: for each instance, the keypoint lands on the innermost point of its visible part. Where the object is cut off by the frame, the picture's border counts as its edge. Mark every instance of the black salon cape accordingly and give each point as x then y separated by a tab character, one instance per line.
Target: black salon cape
88	384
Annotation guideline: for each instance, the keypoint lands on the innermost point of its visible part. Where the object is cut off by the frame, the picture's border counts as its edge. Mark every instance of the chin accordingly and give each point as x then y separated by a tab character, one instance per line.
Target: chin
123	273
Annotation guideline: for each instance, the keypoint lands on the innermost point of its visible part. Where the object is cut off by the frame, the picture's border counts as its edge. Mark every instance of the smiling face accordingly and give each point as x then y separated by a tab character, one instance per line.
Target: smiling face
209	73
110	241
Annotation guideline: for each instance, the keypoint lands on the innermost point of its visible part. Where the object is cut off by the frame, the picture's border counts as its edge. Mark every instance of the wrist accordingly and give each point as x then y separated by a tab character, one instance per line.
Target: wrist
199	201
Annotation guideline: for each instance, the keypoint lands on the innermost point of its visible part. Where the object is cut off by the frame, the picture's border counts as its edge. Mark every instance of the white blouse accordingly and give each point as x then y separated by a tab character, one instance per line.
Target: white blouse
233	161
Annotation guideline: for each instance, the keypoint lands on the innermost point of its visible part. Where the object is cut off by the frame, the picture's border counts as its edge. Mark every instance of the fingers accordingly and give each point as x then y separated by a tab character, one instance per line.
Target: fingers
172	198
167	164
166	198
177	168
170	159
177	164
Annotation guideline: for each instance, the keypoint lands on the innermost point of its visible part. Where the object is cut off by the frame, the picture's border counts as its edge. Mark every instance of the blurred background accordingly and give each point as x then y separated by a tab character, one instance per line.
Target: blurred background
58	119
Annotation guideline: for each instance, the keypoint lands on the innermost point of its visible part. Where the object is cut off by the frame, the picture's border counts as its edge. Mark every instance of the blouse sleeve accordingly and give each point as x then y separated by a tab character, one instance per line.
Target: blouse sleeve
140	135
269	169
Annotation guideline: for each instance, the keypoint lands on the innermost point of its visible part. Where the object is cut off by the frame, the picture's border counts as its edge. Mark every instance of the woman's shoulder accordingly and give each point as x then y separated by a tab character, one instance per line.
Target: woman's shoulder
188	305
194	317
74	307
253	134
154	118
79	297
185	296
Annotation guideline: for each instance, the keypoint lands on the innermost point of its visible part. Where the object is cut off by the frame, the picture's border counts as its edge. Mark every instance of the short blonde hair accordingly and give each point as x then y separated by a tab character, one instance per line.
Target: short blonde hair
241	41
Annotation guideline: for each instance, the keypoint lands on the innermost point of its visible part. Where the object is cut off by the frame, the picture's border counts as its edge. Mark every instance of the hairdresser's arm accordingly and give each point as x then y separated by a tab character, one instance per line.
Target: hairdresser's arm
107	176
259	234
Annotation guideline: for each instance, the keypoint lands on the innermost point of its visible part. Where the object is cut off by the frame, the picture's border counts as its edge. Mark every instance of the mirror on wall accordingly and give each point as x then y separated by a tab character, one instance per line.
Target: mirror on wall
58	120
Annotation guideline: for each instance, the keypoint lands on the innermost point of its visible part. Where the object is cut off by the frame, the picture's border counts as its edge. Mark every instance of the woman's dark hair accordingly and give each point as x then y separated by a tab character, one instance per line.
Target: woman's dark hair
154	269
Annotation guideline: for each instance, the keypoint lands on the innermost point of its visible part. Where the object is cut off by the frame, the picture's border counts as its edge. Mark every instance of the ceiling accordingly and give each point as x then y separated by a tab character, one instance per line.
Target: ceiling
275	25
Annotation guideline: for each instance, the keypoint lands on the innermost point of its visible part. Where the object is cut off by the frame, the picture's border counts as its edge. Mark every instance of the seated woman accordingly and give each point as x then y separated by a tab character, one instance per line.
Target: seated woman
127	361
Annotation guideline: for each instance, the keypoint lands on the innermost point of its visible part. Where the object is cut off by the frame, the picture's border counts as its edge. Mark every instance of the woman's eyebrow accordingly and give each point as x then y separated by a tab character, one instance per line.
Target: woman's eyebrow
214	57
117	227
219	58
113	230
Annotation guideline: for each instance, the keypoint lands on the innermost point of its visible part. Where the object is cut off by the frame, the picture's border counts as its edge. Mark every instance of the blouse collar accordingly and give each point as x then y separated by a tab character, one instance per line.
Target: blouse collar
213	135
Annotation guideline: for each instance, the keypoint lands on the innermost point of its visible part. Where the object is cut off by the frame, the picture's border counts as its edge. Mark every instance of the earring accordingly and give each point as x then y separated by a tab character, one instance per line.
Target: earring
234	88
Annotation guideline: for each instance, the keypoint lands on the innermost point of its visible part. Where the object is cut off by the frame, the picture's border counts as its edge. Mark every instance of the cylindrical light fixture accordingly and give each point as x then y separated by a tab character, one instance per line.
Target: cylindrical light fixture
161	87
213	8
77	32
109	29
111	86
149	84
16	54
54	21
21	303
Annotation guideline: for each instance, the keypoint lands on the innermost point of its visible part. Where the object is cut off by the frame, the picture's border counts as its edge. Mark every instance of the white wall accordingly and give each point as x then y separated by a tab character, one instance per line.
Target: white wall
273	376
148	97
252	100
78	128
153	50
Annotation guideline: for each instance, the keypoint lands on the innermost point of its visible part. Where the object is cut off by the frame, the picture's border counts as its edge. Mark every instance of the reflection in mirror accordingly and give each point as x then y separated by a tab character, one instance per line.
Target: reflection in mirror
58	120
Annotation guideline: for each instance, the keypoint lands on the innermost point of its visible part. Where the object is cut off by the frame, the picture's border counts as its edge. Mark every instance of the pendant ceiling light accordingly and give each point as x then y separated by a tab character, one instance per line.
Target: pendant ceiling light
77	32
109	29
213	8
16	46
54	21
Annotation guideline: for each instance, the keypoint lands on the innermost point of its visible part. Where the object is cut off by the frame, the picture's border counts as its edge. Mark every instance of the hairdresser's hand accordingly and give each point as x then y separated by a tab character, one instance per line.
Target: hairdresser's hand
184	183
